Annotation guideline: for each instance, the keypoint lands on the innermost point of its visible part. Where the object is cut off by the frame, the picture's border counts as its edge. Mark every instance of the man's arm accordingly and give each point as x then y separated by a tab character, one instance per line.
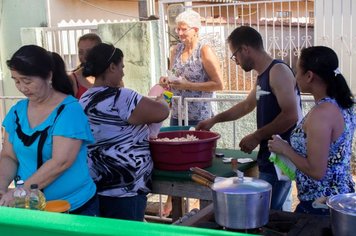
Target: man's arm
282	82
237	111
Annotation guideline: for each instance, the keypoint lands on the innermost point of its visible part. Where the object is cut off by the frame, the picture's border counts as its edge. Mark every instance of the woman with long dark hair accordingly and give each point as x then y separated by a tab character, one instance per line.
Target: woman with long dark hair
321	143
46	135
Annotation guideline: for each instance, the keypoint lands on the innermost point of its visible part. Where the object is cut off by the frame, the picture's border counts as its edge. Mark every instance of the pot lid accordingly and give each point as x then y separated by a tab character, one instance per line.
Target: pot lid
244	185
344	203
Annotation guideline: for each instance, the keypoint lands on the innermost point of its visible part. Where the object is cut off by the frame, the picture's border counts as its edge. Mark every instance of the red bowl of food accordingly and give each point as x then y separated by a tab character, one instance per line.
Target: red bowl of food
183	149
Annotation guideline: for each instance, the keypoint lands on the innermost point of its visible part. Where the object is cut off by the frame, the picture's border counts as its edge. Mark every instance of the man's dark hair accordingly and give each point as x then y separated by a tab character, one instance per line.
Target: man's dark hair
245	35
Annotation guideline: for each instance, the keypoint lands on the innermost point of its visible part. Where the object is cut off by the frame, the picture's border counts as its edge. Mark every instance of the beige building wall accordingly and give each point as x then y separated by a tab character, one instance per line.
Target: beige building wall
141	51
88	11
254	11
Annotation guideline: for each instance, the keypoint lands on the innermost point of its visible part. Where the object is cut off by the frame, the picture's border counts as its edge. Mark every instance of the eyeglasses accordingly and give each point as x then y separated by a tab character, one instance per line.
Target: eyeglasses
233	57
184	31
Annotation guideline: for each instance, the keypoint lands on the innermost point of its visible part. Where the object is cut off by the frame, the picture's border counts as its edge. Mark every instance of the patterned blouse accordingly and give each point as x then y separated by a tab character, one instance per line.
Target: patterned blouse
338	177
193	71
120	159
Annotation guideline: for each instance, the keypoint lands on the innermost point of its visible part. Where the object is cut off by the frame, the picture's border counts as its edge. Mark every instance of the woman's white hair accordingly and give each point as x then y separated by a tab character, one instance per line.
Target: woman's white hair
189	17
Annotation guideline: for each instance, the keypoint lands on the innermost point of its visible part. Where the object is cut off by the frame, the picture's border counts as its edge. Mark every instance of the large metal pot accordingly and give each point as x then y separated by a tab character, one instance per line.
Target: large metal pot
343	214
239	202
242	202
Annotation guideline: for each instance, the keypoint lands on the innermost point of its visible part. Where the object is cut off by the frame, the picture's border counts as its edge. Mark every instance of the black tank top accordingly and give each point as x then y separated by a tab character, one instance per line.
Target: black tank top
267	110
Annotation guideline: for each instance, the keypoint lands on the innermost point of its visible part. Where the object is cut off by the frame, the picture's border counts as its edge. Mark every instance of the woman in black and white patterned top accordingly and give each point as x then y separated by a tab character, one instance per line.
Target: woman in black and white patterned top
120	159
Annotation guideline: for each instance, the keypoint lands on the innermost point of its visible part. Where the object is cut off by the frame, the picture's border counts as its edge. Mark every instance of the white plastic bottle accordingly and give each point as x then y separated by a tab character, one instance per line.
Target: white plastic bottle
20	195
35	198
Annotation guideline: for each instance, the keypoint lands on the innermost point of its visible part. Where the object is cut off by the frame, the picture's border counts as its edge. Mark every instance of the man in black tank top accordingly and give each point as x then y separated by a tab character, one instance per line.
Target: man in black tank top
275	96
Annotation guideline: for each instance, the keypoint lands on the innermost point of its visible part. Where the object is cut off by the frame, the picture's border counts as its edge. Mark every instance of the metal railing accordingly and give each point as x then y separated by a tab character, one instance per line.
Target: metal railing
219	104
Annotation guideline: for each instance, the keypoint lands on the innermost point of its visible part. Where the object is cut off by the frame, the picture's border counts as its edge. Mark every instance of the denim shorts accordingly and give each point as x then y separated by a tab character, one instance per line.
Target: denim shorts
126	208
306	207
90	208
280	189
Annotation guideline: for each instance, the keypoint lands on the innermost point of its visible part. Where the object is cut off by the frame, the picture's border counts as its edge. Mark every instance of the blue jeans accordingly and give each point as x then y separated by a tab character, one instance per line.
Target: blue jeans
126	208
307	208
280	189
90	208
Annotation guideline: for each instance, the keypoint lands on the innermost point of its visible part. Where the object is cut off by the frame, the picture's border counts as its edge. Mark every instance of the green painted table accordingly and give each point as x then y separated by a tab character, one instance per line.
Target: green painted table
37	223
27	222
178	184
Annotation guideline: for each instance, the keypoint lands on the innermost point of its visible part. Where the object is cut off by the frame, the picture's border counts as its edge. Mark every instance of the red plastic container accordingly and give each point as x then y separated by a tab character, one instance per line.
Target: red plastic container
181	155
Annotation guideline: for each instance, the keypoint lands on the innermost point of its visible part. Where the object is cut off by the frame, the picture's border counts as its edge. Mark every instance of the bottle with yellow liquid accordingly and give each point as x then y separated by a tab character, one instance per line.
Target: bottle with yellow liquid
20	195
35	198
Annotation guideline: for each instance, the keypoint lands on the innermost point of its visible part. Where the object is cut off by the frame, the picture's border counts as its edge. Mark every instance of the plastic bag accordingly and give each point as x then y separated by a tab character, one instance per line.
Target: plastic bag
158	90
285	169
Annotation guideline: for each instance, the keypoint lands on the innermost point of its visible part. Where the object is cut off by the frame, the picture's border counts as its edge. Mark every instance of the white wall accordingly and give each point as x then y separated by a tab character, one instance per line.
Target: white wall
335	27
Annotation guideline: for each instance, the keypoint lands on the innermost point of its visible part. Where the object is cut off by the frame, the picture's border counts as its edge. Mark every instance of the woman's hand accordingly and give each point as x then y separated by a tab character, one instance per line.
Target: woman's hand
181	83
7	198
164	82
2	193
278	145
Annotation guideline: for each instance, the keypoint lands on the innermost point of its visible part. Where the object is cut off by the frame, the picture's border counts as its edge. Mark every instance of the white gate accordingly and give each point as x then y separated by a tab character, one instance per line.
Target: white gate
286	26
63	40
335	27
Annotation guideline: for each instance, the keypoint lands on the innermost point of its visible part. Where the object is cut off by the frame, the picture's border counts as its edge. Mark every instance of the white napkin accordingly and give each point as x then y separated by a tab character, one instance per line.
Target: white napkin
244	160
172	77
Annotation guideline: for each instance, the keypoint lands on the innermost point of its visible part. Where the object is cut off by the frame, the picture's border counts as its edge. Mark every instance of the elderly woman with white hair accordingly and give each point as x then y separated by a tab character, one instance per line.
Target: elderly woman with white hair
196	66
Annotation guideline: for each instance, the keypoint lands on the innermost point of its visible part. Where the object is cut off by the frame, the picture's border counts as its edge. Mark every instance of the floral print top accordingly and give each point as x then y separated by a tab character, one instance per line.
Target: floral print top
338	177
193	71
